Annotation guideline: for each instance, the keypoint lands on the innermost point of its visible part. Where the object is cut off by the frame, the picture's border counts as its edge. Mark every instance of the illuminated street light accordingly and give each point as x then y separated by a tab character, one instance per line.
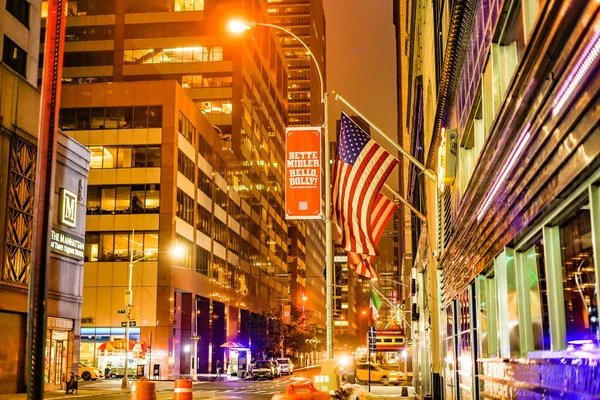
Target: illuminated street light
238	26
176	253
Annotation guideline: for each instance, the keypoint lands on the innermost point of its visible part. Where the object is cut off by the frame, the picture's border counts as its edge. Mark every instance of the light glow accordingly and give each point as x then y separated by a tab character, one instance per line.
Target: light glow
525	136
239	26
588	57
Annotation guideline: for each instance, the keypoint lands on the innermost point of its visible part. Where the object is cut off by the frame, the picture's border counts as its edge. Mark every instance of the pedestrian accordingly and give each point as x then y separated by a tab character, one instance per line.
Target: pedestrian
218	368
106	373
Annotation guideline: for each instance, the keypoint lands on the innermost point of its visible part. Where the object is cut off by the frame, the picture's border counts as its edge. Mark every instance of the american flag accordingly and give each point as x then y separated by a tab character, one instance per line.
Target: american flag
361	168
382	213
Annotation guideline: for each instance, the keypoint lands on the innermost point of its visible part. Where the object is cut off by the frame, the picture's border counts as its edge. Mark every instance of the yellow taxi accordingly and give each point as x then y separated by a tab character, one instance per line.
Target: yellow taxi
379	373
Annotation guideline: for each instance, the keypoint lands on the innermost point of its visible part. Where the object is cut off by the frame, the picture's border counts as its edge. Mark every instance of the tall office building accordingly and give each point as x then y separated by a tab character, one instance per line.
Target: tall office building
305	19
19	125
202	167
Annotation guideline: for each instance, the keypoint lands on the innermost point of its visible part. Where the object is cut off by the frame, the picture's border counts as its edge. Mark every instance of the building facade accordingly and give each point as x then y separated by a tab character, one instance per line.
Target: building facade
508	119
19	110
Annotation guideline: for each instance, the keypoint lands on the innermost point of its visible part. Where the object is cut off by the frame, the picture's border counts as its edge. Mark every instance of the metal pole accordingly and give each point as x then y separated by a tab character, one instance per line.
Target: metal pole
328	239
281	330
125	381
428	173
44	195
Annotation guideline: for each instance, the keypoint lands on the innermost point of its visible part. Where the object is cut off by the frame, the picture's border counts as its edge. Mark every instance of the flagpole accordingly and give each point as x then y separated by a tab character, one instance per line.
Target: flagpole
428	173
403	200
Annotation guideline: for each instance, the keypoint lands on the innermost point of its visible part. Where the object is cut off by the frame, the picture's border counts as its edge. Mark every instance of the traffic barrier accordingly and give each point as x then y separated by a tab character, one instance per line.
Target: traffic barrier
143	390
183	389
311	393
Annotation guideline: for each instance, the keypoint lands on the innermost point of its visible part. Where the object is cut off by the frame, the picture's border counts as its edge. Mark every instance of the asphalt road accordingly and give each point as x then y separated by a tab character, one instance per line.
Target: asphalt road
239	389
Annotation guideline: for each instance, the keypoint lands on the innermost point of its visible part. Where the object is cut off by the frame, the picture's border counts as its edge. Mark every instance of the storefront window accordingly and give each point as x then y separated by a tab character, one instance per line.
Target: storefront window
579	281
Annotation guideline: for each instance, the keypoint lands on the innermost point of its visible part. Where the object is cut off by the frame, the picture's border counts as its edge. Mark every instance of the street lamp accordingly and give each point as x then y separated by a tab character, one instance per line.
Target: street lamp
238	26
176	252
281	343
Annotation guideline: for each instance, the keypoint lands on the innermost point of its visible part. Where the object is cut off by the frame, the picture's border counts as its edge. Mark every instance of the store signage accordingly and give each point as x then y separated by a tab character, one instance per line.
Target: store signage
303	173
66	244
60	323
120	311
68	208
87	320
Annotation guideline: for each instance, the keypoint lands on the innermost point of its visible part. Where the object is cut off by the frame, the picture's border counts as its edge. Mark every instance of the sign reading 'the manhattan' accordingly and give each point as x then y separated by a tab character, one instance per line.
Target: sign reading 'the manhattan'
64	243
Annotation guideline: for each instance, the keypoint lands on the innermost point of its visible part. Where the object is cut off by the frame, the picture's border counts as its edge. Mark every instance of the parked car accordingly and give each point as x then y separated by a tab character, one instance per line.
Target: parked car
86	373
263	369
276	368
287	366
379	374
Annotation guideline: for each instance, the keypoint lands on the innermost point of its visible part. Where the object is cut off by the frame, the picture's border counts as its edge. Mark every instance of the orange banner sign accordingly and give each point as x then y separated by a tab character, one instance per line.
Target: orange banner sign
303	173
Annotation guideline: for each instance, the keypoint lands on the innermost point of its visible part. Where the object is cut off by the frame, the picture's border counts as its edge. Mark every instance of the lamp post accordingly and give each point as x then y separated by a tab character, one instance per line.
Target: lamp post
239	26
176	252
304	298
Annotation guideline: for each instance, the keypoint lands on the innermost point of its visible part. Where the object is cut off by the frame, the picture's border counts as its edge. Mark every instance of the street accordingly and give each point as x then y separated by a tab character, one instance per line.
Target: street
225	389
207	389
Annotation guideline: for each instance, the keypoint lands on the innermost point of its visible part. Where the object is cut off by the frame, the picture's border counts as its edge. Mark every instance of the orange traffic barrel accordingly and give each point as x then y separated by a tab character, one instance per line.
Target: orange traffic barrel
143	390
309	392
183	389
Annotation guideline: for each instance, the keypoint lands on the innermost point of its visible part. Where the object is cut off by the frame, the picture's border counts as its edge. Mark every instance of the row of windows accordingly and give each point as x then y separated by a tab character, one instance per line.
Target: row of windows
111	117
131	199
124	156
573	273
85	7
206	81
173	55
118	246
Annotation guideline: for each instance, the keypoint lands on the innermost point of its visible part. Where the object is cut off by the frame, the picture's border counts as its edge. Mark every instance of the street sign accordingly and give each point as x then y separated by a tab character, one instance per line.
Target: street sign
124	324
372	339
120	311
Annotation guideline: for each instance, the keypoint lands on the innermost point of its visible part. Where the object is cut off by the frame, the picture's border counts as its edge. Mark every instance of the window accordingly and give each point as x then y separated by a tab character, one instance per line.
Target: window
19	9
204	183
185	207
185	165
187	259
220	232
188	5
579	281
14	56
220	198
203	223
214	107
202	260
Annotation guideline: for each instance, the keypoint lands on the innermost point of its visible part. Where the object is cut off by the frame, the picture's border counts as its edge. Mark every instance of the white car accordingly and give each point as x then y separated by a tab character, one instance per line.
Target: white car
287	367
86	373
